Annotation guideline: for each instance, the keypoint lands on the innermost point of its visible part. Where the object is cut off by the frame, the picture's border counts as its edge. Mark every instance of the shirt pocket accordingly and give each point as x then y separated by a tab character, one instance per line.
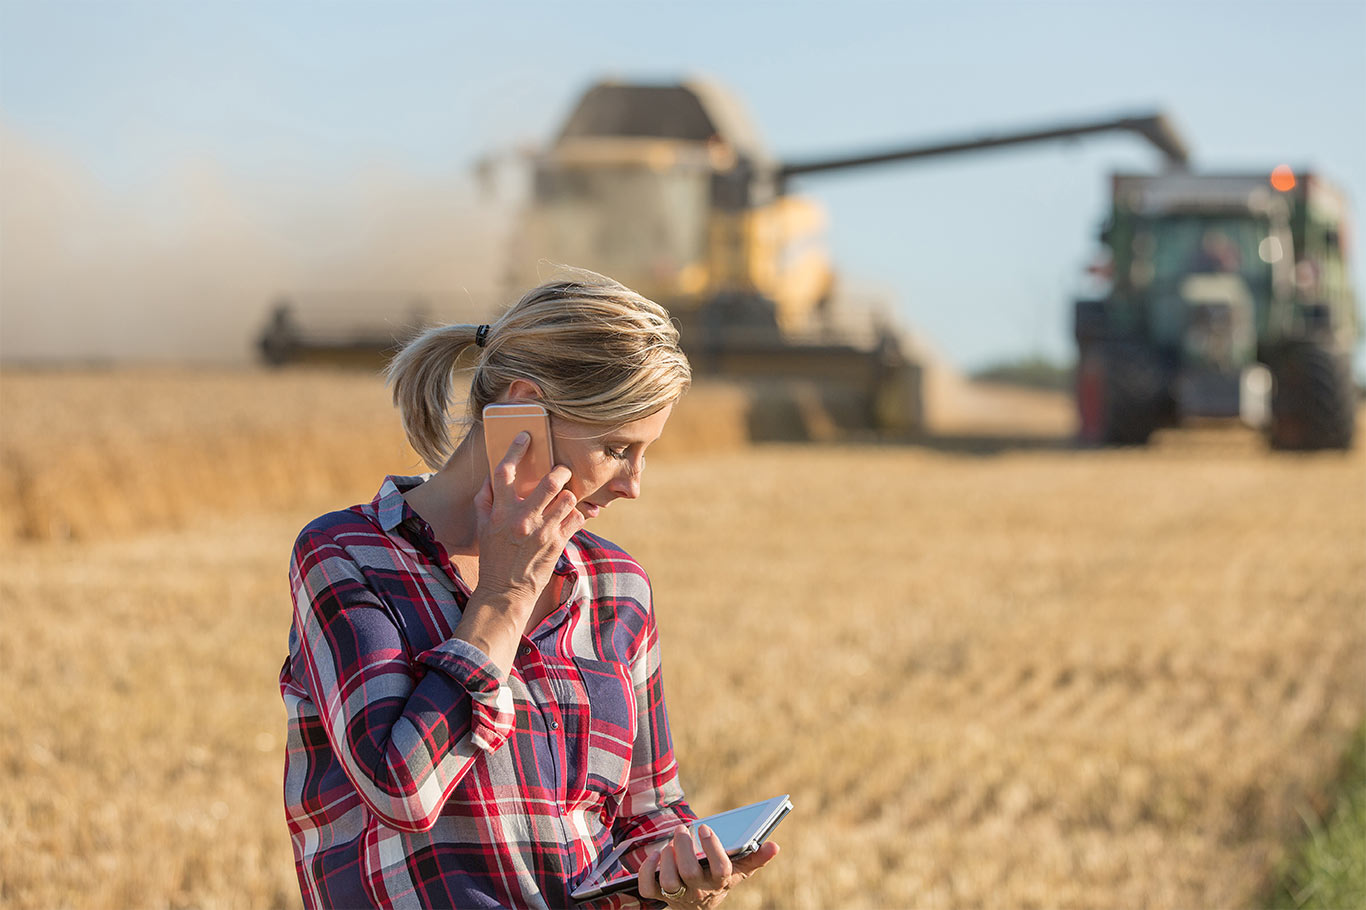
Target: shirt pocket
610	728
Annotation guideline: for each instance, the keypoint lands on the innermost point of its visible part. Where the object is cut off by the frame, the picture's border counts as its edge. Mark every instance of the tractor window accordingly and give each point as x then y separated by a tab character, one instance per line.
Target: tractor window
1169	249
1181	246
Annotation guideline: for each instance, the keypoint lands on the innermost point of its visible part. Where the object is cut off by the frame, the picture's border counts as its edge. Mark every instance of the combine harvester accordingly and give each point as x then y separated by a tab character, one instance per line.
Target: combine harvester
1229	297
668	189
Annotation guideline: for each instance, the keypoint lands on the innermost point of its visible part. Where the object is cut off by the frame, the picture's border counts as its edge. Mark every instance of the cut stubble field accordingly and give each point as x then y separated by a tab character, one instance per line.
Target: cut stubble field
1040	678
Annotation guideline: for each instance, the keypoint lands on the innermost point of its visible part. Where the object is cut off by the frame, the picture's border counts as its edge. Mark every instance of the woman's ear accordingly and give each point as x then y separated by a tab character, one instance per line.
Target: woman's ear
522	390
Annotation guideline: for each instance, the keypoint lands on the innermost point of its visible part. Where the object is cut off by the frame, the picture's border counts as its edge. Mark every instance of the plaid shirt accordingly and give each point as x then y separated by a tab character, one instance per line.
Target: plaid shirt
413	777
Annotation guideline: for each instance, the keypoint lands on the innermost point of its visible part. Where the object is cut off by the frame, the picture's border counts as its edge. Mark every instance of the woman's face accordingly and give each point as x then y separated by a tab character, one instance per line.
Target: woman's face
607	463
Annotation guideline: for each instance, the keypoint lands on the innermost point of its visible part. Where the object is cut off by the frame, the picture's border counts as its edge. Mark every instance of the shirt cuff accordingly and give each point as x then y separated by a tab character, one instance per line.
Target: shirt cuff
491	715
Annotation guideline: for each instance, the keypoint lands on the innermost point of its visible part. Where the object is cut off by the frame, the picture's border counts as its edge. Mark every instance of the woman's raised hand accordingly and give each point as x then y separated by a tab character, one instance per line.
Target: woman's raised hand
521	539
519	543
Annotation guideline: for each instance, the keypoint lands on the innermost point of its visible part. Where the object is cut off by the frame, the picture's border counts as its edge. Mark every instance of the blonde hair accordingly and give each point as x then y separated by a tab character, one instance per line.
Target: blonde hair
599	352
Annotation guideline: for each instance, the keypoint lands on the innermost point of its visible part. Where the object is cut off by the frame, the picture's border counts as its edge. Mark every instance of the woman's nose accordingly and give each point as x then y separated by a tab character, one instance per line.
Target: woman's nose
627	482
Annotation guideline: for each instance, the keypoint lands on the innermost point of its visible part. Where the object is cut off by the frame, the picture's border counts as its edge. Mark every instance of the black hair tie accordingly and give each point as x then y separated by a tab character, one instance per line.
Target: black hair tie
481	335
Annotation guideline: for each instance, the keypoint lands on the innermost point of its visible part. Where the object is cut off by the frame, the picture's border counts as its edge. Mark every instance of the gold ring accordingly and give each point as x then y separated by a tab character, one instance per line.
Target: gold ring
674	894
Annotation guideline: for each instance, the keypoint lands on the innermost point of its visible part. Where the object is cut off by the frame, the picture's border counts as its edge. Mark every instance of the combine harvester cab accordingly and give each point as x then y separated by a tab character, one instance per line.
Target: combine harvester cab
1229	298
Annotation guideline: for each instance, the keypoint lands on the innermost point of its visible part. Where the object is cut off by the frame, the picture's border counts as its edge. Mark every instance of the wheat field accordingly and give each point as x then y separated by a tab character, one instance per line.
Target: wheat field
999	675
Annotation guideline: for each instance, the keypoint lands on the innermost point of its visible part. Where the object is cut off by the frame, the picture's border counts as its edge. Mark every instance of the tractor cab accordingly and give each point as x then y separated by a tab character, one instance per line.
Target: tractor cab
1212	313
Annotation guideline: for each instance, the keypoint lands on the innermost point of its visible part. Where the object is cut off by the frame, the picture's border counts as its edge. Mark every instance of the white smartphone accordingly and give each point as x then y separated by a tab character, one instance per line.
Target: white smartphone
502	423
742	831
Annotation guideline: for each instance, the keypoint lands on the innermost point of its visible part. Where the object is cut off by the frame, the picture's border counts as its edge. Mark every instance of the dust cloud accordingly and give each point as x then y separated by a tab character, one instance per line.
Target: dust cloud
185	268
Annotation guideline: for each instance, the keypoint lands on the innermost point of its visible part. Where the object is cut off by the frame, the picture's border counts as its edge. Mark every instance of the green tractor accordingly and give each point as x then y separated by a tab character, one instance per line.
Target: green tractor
1229	297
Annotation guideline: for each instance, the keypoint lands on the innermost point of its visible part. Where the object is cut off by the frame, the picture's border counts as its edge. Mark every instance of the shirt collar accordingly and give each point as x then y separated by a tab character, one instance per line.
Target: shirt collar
390	507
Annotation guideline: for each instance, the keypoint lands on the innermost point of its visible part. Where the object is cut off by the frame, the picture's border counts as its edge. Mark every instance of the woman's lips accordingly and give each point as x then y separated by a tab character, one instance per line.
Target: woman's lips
590	509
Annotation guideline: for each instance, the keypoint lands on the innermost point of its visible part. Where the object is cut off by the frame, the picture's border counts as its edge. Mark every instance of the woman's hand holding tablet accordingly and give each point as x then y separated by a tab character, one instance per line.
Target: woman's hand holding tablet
701	860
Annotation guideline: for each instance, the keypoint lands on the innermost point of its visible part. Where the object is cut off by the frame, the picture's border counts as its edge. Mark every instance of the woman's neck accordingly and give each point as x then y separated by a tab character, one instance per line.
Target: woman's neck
446	499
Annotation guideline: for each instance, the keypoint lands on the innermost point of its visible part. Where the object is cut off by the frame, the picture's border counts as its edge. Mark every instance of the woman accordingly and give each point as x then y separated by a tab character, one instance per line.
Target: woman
473	685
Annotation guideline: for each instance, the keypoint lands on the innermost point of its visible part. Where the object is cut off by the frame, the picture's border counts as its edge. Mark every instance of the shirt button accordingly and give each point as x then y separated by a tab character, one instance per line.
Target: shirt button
526	649
554	725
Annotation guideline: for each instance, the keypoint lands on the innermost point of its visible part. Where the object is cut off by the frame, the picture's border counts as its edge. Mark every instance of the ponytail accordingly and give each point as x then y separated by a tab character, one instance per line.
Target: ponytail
422	375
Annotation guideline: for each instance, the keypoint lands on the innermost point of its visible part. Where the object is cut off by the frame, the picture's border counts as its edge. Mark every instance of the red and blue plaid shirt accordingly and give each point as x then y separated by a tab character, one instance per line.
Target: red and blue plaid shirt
413	777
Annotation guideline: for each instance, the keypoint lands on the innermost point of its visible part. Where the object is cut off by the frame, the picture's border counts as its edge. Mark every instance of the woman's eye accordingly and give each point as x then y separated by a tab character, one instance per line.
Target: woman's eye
619	454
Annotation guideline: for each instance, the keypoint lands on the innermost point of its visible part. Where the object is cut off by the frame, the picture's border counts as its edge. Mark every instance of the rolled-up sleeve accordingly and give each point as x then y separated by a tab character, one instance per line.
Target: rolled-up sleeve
405	728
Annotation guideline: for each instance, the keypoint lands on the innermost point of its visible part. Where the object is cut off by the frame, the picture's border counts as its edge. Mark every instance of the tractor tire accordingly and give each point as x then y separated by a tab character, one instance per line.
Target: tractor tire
1134	393
1313	403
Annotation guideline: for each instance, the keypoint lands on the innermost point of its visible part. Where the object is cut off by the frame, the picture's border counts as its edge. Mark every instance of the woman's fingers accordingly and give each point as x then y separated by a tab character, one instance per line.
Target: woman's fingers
718	863
548	498
506	470
504	474
571	523
647	879
669	877
561	514
552	485
678	866
690	871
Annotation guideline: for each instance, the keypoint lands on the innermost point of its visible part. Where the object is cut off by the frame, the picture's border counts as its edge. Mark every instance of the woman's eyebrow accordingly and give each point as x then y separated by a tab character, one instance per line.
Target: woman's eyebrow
614	438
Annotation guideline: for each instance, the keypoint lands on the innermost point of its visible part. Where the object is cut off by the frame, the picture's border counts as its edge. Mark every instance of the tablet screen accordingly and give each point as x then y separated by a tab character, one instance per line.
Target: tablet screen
740	831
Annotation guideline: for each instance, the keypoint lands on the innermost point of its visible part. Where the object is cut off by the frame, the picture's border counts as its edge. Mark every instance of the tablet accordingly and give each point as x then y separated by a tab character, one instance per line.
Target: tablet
742	831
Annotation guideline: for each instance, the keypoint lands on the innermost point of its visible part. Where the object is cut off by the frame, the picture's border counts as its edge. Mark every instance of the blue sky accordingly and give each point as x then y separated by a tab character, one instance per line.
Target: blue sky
983	253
